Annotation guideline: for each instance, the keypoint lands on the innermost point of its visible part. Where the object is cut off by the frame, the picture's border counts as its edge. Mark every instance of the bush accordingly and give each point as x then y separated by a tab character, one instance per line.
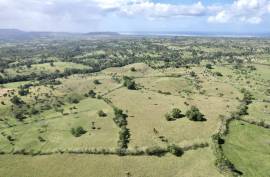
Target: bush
194	114
124	136
120	118
129	83
77	132
132	69
218	74
169	117
92	94
209	66
176	113
175	150
97	82
101	114
156	151
16	100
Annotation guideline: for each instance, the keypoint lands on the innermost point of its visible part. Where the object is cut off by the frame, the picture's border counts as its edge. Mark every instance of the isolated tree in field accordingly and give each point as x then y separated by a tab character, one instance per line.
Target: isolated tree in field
208	66
132	69
78	131
129	83
16	100
173	115
102	113
92	93
194	114
97	82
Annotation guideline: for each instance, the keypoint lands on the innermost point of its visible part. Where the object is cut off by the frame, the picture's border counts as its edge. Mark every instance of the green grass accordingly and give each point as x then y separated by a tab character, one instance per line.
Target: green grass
192	164
247	147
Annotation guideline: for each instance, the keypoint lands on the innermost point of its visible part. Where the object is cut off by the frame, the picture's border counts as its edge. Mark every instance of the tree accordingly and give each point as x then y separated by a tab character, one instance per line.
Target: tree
92	93
194	114
132	69
16	100
97	82
208	66
101	114
175	150
176	113
119	117
129	83
78	131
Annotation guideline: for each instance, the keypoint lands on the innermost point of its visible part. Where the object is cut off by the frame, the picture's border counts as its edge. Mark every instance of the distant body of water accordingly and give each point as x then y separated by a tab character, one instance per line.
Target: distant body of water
198	34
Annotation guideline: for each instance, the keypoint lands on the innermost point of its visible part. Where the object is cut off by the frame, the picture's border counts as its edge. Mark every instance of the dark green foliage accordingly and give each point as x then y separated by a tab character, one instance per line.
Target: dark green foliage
120	118
97	82
16	100
175	150
92	93
129	83
247	99
73	100
78	131
23	92
218	74
156	151
132	69
176	113
208	66
102	113
193	74
124	136
194	114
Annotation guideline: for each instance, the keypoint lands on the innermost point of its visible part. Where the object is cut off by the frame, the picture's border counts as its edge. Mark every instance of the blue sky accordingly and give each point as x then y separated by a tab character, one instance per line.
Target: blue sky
237	16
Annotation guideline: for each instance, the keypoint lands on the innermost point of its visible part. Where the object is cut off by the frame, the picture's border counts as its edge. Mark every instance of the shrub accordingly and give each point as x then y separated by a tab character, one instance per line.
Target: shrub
120	118
74	100
156	151
16	100
77	132
218	74
92	93
102	113
194	114
176	113
132	69
208	66
175	150
169	117
129	83
124	136
97	82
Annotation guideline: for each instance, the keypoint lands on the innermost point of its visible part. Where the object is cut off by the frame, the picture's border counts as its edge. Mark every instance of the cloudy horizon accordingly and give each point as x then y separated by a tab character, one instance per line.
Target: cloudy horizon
239	16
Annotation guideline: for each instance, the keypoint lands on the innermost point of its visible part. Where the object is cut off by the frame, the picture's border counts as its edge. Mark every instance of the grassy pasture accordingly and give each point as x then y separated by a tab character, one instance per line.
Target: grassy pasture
90	165
55	129
247	146
45	67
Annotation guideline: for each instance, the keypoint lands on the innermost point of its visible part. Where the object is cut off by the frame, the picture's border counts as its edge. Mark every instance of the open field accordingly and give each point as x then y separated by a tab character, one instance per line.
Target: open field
247	146
135	107
94	166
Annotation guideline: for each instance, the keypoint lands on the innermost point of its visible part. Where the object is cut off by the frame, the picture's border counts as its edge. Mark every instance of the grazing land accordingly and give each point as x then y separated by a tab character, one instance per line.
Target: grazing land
135	106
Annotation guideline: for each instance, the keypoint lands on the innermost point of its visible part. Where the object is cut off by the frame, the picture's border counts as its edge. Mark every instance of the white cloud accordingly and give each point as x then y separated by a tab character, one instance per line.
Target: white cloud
246	11
75	15
251	20
221	17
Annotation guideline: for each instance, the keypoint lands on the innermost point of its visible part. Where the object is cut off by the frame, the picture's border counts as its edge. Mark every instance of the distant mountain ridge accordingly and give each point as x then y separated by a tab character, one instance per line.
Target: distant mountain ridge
15	34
